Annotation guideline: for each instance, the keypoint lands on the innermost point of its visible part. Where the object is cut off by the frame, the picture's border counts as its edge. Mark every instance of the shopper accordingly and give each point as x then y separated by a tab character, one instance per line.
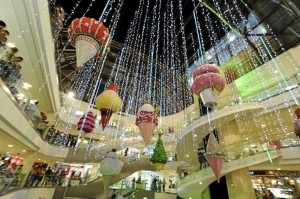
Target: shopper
32	176
5	164
18	175
2	25
61	177
268	195
154	184
164	185
38	176
159	182
133	183
201	157
47	177
9	176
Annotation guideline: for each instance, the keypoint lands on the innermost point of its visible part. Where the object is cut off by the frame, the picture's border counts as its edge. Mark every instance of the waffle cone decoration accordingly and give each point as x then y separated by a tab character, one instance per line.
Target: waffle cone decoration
214	158
90	37
108	102
147	121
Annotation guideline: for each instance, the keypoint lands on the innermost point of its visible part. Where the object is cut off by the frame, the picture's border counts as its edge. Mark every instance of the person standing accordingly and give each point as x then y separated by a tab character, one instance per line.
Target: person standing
164	185
268	195
201	157
154	184
47	177
159	182
133	183
9	176
17	175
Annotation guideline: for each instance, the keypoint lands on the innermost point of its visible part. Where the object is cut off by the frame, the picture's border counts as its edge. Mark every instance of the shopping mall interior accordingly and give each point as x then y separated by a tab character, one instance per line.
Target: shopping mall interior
149	99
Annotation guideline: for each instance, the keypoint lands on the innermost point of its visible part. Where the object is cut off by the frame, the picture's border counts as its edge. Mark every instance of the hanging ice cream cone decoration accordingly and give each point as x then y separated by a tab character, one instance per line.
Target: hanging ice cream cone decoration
105	116
214	158
108	102
110	166
107	179
87	122
208	83
90	37
147	121
216	164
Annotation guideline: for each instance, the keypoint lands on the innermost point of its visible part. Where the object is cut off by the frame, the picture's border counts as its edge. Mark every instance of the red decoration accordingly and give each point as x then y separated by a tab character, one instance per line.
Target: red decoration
113	86
88	26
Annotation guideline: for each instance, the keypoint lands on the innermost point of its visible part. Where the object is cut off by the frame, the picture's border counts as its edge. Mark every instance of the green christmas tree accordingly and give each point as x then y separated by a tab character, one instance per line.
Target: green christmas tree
159	155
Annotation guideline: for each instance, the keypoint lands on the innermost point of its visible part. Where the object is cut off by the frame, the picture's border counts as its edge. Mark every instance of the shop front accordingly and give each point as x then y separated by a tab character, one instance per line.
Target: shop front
282	184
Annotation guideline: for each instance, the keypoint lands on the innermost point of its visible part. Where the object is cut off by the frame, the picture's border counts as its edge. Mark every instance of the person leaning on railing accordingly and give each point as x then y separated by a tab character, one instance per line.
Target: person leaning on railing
9	176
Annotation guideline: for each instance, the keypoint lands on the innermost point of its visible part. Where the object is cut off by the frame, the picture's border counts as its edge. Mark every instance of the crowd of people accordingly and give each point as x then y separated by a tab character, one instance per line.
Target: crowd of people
9	61
43	176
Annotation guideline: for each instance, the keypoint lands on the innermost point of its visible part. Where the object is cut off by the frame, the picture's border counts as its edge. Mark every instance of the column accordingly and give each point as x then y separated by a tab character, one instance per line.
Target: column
239	184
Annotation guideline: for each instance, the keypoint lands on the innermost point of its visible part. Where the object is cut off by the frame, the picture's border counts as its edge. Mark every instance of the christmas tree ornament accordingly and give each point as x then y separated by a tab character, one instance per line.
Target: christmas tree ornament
159	157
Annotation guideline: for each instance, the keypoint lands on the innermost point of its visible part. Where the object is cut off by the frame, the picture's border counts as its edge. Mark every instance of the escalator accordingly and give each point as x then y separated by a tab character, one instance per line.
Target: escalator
94	189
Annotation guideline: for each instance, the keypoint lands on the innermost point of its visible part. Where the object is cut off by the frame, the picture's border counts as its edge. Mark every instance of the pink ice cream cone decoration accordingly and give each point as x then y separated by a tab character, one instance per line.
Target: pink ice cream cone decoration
208	83
90	38
216	164
146	120
87	122
214	158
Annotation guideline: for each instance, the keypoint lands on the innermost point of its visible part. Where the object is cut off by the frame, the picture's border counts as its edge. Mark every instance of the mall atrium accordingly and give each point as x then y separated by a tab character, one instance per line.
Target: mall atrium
156	99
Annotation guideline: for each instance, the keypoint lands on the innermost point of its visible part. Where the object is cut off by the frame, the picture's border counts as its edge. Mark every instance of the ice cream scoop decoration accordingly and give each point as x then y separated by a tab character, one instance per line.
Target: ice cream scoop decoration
208	83
110	166
87	122
146	120
90	37
108	102
214	156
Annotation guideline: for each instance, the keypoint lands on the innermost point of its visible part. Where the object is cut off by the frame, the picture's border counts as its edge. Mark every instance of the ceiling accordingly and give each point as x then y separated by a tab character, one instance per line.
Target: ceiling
285	28
17	146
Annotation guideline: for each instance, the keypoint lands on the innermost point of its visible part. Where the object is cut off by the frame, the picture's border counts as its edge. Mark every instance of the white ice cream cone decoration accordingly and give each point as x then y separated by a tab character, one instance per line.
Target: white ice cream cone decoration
110	166
107	179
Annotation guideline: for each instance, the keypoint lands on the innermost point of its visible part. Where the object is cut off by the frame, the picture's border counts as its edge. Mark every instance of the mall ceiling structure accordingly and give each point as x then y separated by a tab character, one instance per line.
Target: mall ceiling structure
150	48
